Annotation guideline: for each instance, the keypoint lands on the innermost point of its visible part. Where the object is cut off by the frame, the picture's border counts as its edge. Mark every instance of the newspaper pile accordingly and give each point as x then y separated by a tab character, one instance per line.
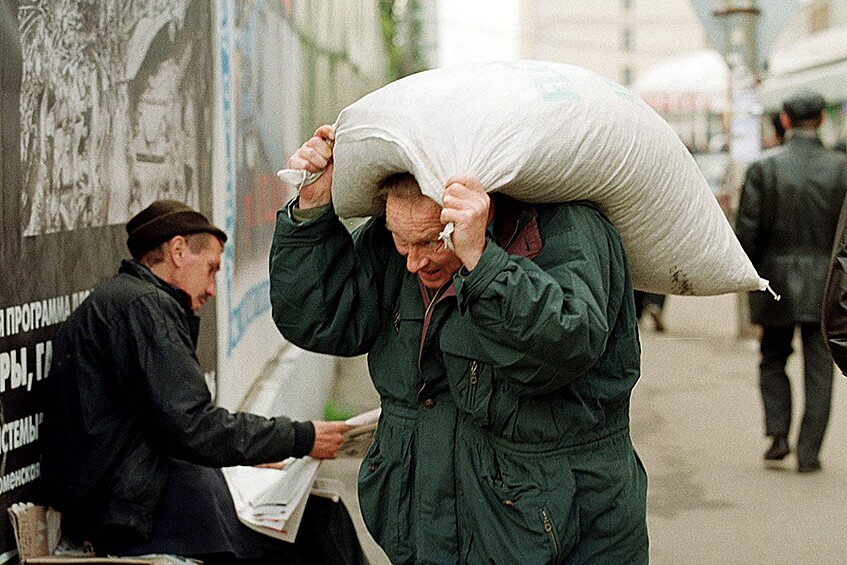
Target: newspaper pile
272	501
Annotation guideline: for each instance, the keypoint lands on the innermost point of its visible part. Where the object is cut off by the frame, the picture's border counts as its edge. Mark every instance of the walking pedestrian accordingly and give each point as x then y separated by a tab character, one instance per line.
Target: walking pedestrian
504	367
653	305
786	223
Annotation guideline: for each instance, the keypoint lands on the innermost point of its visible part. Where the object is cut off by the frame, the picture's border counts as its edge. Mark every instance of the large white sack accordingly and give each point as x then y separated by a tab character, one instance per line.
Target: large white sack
547	132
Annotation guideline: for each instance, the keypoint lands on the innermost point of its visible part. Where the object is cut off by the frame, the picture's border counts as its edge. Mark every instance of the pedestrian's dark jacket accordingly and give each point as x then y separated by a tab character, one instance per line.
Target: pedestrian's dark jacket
786	222
835	297
126	394
487	392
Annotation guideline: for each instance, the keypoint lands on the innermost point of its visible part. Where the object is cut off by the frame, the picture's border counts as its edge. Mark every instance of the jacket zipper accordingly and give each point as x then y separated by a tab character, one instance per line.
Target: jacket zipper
432	302
474	381
427	314
548	527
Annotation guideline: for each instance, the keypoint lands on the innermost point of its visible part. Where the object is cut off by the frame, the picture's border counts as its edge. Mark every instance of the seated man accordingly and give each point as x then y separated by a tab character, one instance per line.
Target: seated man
133	444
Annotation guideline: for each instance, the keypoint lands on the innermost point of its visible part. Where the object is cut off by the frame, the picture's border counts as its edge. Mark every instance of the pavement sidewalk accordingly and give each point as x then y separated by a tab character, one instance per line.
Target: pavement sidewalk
697	424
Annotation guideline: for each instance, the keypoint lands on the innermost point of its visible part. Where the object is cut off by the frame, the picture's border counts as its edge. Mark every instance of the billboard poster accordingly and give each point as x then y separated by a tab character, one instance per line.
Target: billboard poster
105	106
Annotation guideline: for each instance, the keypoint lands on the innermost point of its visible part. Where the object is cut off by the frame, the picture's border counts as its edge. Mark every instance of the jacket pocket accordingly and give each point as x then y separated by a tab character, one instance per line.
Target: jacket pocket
550	528
385	490
519	507
471	385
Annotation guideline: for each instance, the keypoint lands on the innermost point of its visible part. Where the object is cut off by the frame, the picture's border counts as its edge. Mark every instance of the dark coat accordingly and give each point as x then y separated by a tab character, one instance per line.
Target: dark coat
786	223
126	393
486	392
835	297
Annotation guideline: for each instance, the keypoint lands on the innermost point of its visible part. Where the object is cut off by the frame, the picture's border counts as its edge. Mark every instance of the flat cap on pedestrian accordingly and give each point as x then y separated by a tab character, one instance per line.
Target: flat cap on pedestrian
162	220
803	105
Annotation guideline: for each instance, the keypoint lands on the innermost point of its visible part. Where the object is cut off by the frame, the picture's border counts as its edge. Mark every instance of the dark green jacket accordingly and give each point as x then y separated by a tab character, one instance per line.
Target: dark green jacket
523	359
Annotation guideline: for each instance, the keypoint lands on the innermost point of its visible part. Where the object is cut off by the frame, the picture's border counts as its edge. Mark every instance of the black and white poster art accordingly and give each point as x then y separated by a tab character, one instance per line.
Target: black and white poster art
104	107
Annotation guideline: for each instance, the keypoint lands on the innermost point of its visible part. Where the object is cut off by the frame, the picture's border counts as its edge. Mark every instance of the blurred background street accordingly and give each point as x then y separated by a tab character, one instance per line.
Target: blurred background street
697	425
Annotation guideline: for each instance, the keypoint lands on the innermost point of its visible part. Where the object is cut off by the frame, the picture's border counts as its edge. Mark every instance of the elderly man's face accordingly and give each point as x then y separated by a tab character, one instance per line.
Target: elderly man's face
415	224
195	272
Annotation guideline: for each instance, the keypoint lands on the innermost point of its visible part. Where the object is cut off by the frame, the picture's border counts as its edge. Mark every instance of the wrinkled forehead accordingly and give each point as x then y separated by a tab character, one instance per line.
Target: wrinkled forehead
413	218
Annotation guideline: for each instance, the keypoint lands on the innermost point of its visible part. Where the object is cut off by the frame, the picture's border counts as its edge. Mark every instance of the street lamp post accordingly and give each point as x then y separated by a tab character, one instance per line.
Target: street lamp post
739	19
740	50
743	32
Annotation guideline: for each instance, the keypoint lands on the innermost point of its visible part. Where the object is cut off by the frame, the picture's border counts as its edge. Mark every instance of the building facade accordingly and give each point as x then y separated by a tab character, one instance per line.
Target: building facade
811	52
619	39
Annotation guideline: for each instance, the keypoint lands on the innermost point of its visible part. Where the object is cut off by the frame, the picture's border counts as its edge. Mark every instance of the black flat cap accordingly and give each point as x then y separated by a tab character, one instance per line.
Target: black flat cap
162	220
803	105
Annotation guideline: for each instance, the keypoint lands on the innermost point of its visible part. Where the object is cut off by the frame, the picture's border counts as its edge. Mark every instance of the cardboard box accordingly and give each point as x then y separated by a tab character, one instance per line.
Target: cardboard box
48	559
38	531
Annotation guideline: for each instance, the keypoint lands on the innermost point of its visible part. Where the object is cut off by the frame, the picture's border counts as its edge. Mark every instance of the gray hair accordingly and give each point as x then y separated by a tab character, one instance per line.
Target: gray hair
399	185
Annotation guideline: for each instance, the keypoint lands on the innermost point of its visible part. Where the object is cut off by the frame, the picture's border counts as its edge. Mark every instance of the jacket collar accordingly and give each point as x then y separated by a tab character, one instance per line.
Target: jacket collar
515	226
136	269
801	137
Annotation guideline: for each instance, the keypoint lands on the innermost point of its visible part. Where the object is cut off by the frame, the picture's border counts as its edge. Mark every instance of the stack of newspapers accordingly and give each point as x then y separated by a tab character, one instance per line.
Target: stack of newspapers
272	501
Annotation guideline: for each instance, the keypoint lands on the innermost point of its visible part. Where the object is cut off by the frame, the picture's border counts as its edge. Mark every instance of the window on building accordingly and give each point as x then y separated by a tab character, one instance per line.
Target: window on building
819	16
